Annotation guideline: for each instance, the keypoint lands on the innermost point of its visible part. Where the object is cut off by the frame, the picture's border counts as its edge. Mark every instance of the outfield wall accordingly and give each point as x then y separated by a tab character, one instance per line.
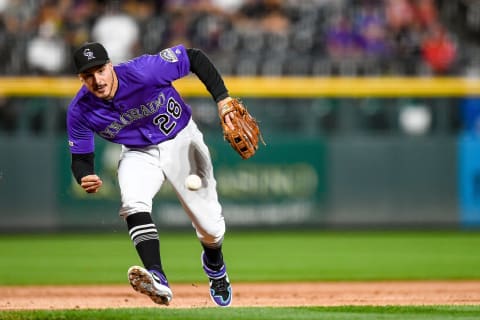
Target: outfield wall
333	158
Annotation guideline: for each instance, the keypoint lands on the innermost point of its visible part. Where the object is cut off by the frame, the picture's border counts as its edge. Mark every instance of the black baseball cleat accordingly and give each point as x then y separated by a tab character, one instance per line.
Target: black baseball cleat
151	283
220	288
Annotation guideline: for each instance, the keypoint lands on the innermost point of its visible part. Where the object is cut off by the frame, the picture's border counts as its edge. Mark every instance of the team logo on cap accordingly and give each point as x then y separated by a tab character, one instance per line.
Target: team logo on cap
89	54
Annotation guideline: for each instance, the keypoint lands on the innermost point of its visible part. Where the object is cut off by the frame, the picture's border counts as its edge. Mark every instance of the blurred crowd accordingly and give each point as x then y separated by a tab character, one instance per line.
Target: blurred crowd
243	37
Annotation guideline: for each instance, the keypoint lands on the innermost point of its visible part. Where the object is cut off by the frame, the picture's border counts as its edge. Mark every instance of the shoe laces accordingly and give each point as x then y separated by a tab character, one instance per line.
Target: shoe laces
220	285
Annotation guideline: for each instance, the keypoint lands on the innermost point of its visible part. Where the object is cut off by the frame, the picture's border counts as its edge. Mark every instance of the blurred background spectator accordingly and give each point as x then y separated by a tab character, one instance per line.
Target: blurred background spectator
438	50
250	37
118	31
46	49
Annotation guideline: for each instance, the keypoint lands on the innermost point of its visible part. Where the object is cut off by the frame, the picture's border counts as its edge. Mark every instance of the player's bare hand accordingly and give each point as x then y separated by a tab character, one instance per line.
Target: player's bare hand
91	183
228	116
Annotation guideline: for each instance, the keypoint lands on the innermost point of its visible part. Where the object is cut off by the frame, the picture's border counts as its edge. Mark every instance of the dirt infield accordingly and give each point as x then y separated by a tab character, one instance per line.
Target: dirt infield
248	294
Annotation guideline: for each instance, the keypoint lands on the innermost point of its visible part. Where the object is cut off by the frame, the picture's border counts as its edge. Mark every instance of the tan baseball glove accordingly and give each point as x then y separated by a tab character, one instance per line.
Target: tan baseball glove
244	135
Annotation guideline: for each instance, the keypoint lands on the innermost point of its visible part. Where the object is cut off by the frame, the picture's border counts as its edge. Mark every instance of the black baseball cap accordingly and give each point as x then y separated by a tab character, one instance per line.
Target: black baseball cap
90	55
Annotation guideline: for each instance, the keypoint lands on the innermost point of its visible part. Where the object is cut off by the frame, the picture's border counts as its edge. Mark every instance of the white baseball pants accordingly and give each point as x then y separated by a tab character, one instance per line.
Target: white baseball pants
142	171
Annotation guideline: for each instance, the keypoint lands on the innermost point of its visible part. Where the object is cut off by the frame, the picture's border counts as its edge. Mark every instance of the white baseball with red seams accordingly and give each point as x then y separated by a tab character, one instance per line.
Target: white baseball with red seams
193	182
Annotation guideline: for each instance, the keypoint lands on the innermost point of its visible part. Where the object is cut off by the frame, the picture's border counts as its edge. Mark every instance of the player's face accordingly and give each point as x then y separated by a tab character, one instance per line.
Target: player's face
101	81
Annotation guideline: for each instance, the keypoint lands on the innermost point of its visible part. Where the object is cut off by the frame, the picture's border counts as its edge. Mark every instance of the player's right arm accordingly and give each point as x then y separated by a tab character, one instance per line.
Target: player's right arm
83	171
81	142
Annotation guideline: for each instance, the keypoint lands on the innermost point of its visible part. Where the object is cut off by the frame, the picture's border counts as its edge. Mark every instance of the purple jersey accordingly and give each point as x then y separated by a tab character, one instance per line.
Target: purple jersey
146	109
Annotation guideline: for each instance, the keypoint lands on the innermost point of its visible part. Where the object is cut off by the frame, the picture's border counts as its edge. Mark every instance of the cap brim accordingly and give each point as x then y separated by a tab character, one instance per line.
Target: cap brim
92	64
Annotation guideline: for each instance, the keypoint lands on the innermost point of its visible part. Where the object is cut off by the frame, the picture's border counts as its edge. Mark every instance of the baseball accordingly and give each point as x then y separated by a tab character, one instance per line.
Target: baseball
193	182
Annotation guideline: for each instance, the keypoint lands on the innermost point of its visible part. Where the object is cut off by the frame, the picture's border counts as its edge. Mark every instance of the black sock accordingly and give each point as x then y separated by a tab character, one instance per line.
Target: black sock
144	235
213	256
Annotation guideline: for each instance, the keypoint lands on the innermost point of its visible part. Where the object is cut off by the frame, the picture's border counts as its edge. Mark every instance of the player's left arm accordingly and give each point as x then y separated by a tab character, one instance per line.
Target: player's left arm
206	71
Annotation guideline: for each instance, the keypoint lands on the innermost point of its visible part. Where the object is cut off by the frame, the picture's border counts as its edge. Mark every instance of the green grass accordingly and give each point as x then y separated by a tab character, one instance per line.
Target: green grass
299	313
251	256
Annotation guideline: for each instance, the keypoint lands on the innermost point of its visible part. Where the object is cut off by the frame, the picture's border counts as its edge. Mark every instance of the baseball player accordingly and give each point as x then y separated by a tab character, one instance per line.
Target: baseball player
134	104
